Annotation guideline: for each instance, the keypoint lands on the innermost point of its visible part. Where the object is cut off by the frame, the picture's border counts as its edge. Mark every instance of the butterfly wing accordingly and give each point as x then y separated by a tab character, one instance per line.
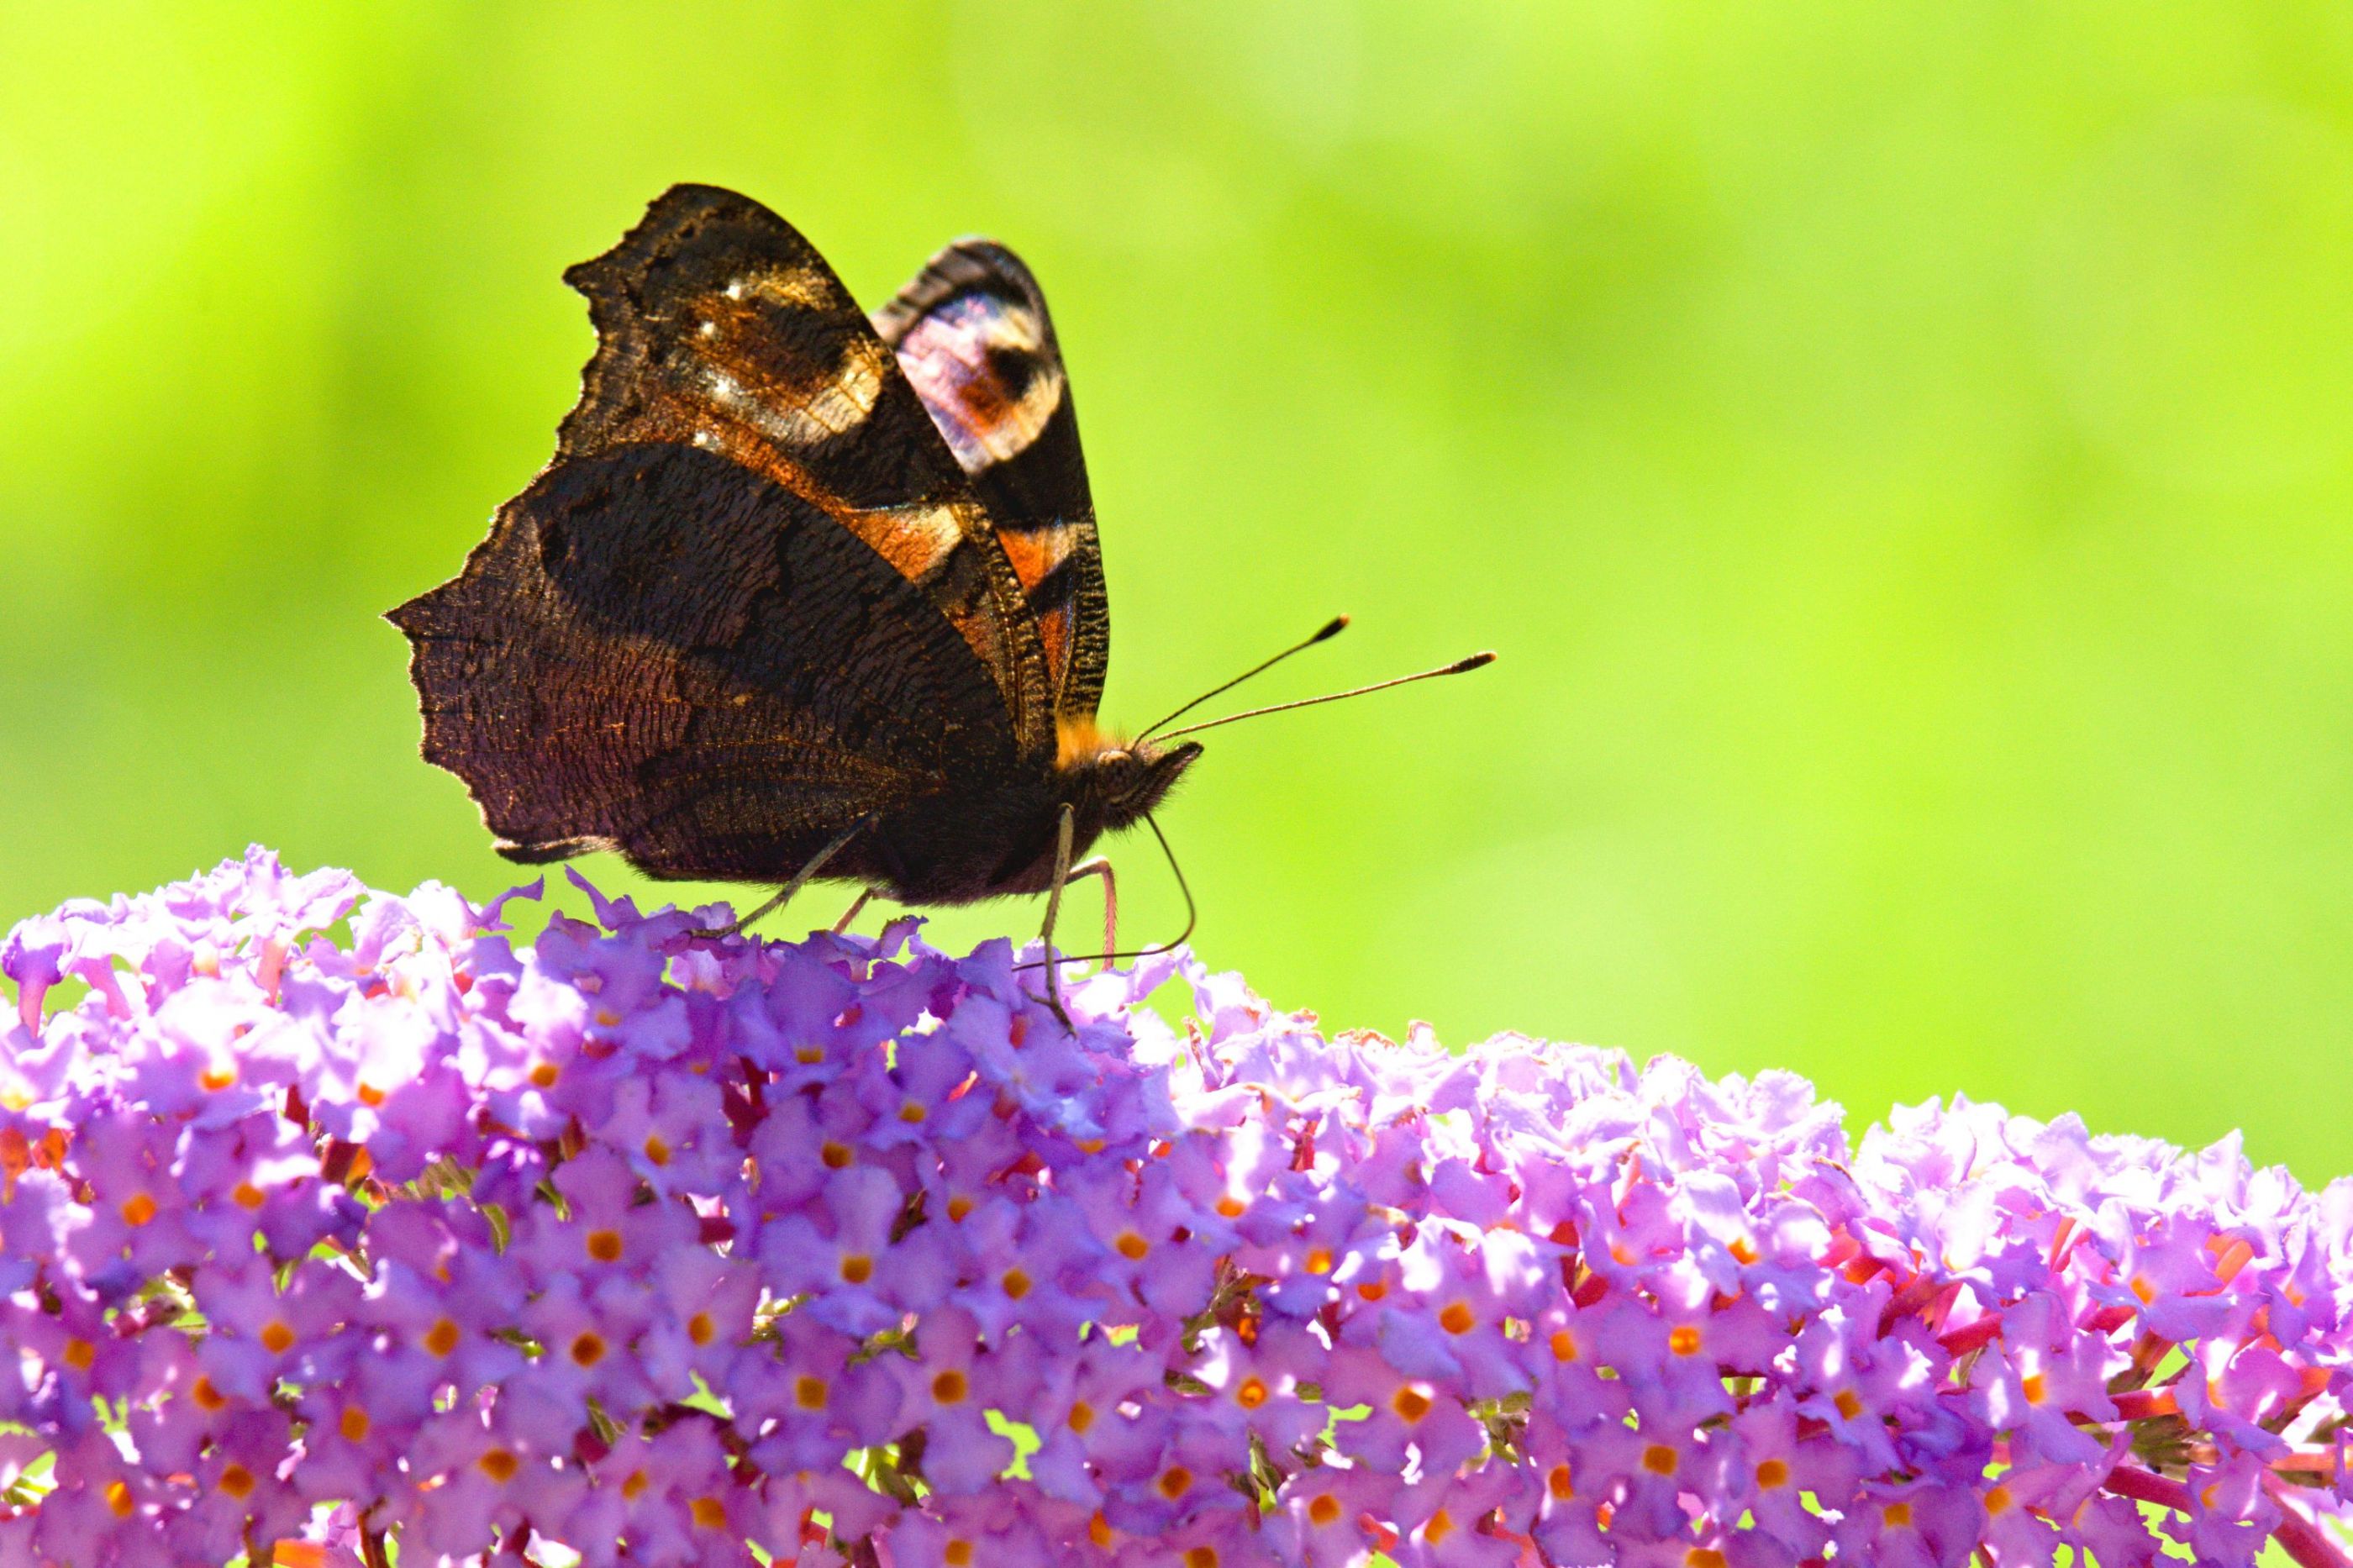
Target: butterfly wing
972	335
660	653
719	327
752	597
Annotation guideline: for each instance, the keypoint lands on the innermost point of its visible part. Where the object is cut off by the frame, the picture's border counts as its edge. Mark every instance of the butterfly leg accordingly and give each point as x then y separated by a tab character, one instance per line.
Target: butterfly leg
865	897
1100	866
1063	835
783	895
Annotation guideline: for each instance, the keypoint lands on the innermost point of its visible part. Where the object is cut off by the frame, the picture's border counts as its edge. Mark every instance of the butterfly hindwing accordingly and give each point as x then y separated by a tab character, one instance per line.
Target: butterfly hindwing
974	337
656	652
718	327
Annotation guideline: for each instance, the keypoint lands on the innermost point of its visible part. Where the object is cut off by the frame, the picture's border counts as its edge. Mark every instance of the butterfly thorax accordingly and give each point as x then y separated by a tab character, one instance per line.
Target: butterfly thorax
968	843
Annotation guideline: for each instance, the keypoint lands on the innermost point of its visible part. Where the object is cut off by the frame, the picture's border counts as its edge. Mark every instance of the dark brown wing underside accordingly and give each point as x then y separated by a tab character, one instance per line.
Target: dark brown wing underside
659	652
719	326
974	337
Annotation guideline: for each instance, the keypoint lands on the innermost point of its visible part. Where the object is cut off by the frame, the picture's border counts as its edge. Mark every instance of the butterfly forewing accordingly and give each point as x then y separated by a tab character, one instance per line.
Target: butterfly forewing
718	327
973	334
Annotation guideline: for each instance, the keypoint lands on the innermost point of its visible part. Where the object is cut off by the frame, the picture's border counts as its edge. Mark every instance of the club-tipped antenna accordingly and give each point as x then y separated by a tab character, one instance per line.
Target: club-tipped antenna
1332	628
1192	916
1458	667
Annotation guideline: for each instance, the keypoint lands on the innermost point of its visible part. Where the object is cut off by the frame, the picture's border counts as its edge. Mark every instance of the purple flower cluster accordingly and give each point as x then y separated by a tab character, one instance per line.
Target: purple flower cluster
330	1221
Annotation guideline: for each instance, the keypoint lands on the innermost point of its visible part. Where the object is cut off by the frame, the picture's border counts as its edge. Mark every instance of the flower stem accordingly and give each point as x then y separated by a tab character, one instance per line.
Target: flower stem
2299	1537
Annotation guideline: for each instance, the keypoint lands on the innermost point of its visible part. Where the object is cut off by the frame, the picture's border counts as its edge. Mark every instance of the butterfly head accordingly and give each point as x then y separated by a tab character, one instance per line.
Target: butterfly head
1115	782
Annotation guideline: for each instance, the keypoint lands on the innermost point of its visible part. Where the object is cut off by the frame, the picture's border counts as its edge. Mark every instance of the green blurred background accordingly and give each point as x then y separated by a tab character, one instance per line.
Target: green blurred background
1904	455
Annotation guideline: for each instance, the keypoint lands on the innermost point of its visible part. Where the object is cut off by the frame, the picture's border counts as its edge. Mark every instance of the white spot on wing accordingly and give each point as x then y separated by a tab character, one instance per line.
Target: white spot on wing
802	289
798	418
915	539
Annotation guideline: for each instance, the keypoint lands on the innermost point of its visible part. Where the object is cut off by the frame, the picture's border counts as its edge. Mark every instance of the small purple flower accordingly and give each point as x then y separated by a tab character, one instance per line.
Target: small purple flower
659	1249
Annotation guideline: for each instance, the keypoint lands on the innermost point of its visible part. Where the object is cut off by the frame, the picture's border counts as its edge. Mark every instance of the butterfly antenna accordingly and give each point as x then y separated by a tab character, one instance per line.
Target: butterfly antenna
1459	666
1192	915
1332	628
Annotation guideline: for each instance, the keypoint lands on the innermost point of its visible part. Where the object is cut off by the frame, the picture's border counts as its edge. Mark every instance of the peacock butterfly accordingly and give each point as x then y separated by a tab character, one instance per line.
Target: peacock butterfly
802	593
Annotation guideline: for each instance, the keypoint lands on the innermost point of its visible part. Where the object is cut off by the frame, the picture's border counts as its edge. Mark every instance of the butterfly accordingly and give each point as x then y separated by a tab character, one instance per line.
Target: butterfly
803	592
